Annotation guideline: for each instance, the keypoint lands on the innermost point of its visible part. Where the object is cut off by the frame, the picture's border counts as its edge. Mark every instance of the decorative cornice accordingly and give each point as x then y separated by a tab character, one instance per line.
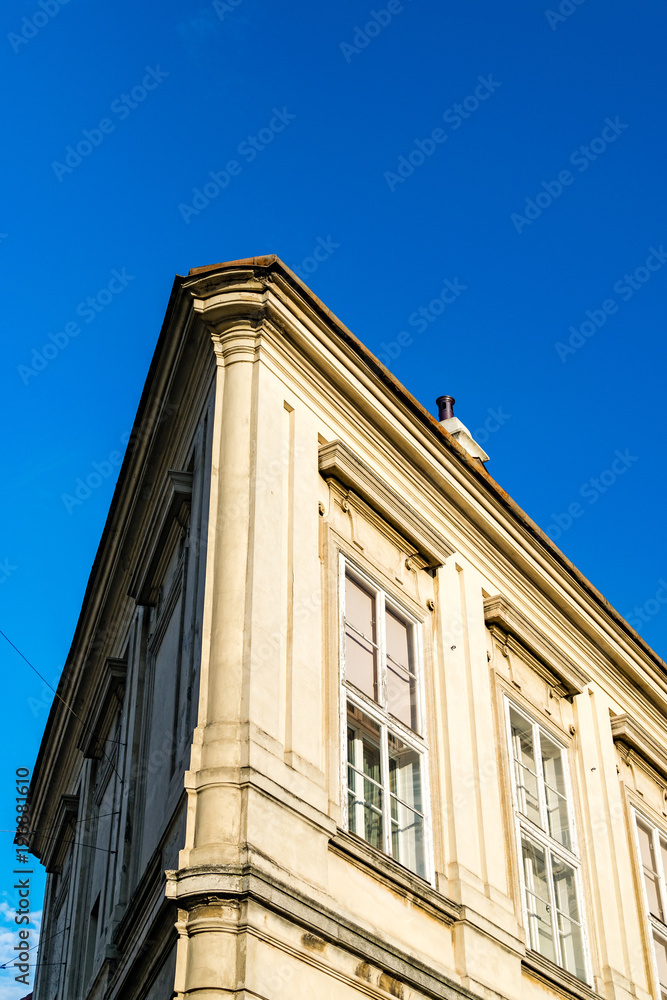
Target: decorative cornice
500	614
565	983
173	506
338	462
52	853
98	719
190	888
634	737
229	301
389	873
350	503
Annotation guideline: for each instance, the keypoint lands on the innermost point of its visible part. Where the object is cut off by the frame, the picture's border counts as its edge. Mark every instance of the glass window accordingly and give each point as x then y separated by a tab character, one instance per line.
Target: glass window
386	752
555	794
660	948
360	638
550	868
568	919
363	777
538	899
407	816
646	838
652	853
525	769
401	679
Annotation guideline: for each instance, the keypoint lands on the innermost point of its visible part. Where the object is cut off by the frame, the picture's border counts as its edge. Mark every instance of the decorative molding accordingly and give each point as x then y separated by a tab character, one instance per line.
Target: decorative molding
389	873
108	696
173	507
338	462
56	844
507	623
220	883
548	972
633	737
232	306
150	888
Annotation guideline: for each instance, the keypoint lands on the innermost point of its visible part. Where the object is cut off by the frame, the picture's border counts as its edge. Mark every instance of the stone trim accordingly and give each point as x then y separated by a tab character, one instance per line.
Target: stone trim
53	855
633	737
108	696
548	972
132	973
388	872
189	887
337	461
149	889
173	506
507	622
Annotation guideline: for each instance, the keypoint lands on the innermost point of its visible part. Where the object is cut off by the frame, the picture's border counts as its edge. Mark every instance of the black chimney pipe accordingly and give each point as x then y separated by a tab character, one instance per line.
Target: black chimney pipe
445	406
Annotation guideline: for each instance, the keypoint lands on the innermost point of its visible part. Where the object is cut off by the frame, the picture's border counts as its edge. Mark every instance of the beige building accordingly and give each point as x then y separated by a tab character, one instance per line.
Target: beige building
338	719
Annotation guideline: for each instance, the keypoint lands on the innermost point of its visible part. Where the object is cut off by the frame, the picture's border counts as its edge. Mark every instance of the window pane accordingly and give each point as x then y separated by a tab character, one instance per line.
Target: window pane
653	894
540	928
569	918
571	946
401	687
554	779
405	773
407	822
360	638
645	838
398	643
661	958
364	777
649	863
524	767
407	837
565	889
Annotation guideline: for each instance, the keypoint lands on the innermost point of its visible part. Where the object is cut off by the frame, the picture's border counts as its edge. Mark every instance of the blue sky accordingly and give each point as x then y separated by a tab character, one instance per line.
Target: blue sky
516	152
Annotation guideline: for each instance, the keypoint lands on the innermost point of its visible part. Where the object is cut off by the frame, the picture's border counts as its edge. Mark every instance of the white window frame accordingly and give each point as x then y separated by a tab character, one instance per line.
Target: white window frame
379	713
524	827
654	925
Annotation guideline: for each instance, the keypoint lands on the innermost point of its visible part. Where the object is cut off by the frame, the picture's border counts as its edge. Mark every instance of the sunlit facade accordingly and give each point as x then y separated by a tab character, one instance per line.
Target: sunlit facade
347	722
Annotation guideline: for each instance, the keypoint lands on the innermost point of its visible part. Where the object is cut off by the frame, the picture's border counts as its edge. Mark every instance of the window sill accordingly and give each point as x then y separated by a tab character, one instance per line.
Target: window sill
542	968
394	876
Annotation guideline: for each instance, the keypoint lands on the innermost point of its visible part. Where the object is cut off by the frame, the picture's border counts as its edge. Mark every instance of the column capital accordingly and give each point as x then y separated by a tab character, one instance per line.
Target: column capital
232	306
